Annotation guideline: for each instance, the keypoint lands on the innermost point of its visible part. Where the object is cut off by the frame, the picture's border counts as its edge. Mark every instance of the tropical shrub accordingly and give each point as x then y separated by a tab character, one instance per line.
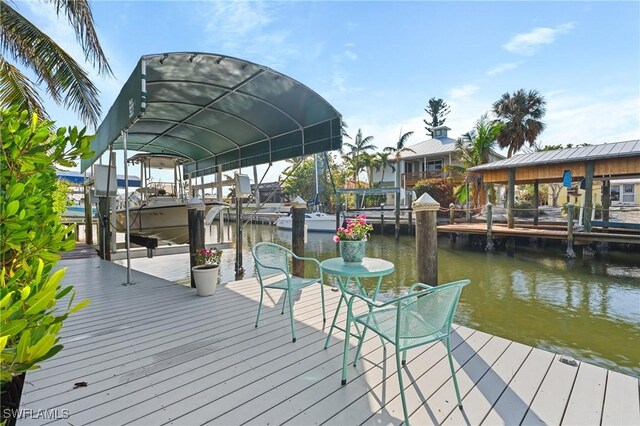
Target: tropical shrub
31	236
441	190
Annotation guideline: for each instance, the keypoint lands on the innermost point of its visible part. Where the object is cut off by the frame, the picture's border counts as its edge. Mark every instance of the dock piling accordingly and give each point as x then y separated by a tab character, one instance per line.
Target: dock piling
490	247
426	209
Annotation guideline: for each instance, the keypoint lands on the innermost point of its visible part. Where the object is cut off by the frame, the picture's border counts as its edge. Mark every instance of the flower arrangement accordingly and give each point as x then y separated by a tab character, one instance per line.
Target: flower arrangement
356	230
208	256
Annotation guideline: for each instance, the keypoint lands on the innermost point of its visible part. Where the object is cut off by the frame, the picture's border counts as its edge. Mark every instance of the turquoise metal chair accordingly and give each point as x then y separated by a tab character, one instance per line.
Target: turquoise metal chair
273	261
421	317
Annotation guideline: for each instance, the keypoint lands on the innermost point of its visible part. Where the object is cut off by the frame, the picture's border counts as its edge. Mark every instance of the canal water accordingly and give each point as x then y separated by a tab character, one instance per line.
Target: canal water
588	309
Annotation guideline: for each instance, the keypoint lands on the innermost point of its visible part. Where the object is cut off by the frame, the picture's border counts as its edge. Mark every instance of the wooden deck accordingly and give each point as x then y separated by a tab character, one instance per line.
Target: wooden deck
541	232
155	353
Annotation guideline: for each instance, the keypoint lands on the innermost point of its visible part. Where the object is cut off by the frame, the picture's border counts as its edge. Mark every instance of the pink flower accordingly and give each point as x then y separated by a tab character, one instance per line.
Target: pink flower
336	239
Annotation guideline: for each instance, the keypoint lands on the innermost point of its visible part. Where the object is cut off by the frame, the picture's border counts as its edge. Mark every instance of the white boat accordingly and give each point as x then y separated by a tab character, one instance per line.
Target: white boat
315	222
158	211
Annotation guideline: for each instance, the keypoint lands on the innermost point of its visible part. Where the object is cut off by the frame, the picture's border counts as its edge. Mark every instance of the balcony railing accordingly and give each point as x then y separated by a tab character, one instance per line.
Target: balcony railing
410	179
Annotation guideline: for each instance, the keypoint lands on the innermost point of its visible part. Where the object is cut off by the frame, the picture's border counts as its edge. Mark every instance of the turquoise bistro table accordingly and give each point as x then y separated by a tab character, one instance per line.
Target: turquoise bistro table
348	276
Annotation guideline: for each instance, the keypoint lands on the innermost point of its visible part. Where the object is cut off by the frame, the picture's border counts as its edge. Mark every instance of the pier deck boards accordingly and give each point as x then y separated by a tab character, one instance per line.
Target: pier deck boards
155	353
540	232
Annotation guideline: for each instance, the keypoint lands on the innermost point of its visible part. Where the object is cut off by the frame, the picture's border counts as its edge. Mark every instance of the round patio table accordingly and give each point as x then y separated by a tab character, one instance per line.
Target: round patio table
350	273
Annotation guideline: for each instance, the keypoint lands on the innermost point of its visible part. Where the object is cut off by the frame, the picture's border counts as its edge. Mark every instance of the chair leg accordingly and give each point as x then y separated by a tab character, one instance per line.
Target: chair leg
259	305
284	299
453	373
324	315
333	323
404	358
404	402
362	335
293	330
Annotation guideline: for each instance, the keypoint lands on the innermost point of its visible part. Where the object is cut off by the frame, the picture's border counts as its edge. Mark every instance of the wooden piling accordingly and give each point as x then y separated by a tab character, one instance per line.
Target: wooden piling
452	214
382	219
490	247
299	207
570	254
426	209
588	194
88	216
410	230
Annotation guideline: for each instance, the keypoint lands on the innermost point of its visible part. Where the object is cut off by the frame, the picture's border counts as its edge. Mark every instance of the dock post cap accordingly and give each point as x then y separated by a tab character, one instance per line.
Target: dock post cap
195	203
298	203
425	203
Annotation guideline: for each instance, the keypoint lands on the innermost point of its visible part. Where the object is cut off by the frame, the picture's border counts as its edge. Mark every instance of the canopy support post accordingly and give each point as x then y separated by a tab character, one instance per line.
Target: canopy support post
126	210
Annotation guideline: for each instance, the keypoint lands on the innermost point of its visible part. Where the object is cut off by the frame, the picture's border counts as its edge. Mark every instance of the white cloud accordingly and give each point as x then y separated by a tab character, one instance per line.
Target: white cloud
248	29
463	91
501	68
528	43
579	119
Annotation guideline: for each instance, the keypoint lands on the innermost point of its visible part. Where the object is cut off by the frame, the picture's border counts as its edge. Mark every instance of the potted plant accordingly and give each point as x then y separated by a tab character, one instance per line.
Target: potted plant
353	239
206	271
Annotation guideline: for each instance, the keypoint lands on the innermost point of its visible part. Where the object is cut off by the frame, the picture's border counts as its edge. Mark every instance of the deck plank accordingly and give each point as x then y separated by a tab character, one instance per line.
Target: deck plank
619	402
512	405
587	396
155	353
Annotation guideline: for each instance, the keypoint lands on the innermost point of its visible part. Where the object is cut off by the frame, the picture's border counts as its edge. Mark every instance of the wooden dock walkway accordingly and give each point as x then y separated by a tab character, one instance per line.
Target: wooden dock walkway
155	353
500	230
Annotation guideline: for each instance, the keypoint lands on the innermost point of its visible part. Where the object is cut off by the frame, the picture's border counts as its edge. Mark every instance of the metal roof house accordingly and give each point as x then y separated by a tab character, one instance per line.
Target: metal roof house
426	161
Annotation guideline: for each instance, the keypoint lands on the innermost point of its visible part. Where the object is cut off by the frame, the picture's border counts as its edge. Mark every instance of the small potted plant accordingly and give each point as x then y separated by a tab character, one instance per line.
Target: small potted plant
353	239
206	271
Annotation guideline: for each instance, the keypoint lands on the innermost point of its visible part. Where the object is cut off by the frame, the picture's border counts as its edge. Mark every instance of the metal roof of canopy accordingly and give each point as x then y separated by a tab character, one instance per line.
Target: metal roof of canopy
216	111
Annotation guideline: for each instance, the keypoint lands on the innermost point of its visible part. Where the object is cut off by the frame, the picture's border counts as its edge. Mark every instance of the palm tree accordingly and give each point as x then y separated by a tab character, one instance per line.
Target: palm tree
360	144
473	149
384	160
67	82
397	152
370	163
521	114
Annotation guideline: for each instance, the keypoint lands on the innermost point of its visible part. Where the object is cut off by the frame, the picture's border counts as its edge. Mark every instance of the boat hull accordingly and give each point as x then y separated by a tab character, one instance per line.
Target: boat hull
166	223
323	223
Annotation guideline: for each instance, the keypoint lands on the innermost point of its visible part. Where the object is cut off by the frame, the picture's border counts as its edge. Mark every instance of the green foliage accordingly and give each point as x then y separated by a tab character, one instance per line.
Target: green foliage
300	180
440	190
437	109
31	238
60	196
521	114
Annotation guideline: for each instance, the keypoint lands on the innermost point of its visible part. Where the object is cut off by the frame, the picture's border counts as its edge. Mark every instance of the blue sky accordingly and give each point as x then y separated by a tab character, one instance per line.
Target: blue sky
378	63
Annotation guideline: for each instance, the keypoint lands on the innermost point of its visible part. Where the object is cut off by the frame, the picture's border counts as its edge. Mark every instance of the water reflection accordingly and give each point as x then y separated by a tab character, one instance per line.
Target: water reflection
589	309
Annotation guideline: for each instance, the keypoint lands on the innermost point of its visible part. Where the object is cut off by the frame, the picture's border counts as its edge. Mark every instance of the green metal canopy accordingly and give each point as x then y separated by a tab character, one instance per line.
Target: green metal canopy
217	111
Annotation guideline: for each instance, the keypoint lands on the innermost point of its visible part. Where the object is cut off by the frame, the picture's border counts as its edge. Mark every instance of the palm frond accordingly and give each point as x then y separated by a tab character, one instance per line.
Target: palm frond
17	89
54	67
79	15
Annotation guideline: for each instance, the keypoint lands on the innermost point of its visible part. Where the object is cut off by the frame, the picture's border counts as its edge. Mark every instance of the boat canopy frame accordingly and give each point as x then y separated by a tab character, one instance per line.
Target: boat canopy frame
220	112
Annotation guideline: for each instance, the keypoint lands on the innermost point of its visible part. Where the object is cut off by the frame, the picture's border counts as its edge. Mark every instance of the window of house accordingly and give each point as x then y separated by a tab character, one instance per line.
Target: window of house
408	167
433	166
628	194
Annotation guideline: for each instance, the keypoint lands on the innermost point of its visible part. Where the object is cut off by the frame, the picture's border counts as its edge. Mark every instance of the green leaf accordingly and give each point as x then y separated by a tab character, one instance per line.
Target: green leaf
16	190
79	306
42	347
13	327
12	208
53	351
64	292
3	342
23	346
24	293
42	302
